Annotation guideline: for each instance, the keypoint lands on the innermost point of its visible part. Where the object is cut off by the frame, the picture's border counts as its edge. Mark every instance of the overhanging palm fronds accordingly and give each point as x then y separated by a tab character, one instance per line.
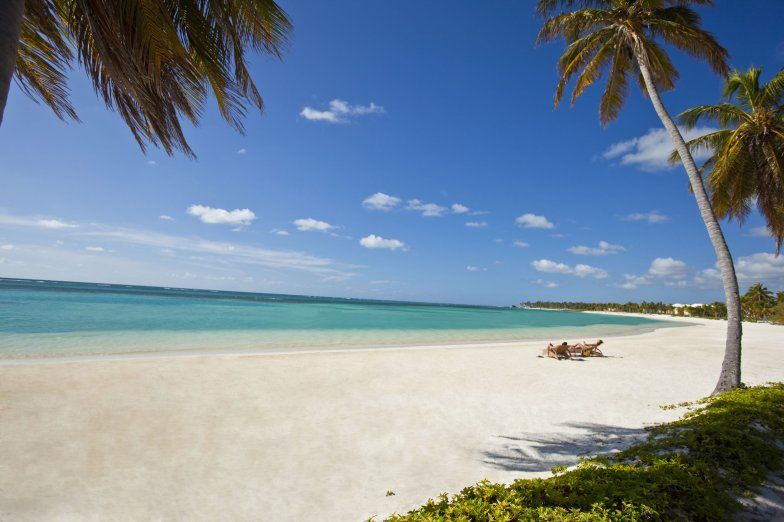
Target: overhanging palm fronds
153	61
747	162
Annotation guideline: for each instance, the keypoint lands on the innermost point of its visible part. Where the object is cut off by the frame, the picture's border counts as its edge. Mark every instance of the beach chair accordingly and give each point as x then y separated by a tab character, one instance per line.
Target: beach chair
561	351
590	349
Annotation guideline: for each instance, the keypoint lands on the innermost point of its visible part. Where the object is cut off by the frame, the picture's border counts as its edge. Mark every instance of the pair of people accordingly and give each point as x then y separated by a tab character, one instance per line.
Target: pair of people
566	350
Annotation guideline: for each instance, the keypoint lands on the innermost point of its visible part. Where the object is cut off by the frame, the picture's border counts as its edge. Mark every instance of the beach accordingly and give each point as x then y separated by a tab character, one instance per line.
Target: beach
329	435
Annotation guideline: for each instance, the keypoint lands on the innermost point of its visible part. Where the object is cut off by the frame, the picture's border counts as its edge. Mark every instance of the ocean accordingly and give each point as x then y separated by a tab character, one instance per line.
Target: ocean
62	319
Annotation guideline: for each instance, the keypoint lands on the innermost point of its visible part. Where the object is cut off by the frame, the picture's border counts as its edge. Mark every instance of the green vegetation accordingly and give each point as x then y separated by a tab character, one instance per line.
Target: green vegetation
154	63
747	162
759	304
691	469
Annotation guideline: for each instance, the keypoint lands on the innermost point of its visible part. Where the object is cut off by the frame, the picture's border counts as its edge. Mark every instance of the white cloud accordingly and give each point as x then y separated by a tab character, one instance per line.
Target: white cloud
760	267
472	268
273	259
373	242
603	249
381	201
652	150
672	271
533	221
165	217
653	217
340	111
95	249
580	270
310	225
237	217
7	247
279	232
427	209
760	232
457	208
668	267
544	283
52	224
152	163
476	224
242	151
520	244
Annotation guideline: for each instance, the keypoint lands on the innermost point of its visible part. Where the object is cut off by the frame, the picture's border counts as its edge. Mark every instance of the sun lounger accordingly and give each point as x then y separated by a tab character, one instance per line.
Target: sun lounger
561	351
590	349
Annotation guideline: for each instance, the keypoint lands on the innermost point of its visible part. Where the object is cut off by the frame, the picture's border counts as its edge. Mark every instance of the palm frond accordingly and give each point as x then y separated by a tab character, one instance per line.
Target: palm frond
43	58
617	88
725	114
155	62
680	27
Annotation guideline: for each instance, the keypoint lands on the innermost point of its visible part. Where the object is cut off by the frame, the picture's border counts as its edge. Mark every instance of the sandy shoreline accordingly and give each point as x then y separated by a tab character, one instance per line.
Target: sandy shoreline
324	435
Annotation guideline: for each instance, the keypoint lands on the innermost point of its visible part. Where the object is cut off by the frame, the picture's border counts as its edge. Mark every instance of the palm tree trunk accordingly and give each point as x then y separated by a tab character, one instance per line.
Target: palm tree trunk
11	13
730	368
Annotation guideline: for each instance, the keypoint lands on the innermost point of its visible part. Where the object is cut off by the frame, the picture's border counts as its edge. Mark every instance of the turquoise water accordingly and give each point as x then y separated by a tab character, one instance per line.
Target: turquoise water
50	319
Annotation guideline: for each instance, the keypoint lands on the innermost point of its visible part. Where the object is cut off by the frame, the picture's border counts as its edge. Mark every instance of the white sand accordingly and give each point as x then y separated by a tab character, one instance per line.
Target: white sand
323	436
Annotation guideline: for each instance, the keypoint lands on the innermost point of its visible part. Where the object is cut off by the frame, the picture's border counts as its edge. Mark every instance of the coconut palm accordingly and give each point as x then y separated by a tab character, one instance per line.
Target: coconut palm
747	161
154	62
759	301
619	37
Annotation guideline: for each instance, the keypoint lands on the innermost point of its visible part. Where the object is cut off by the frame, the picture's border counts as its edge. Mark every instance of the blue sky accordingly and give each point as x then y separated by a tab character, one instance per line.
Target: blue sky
438	104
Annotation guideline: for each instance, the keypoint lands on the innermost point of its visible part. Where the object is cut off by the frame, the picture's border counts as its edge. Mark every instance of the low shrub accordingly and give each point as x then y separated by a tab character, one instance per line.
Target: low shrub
691	469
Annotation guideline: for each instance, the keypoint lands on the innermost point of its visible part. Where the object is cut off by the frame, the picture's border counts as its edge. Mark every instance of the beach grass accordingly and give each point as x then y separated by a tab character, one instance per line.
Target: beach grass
695	468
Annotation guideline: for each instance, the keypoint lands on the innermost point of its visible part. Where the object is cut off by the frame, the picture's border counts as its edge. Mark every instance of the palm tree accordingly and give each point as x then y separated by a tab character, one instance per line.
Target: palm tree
747	162
154	62
611	35
759	301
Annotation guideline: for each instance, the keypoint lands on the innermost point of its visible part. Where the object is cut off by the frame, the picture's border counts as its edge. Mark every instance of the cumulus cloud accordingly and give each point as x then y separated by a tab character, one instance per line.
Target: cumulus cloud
667	269
242	151
165	217
580	270
653	217
533	221
761	267
311	225
95	249
381	201
52	224
544	283
237	217
374	242
279	232
476	224
427	209
457	208
520	244
472	268
340	111
602	249
652	150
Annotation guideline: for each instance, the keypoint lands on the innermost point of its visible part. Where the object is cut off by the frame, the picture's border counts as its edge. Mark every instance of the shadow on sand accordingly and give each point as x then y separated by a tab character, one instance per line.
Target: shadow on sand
542	451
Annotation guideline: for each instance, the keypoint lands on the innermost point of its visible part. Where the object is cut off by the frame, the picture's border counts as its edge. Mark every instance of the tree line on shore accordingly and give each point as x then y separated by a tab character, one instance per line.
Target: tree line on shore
759	305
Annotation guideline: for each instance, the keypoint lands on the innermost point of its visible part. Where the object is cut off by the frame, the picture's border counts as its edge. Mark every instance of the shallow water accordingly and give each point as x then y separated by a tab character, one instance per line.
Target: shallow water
53	319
